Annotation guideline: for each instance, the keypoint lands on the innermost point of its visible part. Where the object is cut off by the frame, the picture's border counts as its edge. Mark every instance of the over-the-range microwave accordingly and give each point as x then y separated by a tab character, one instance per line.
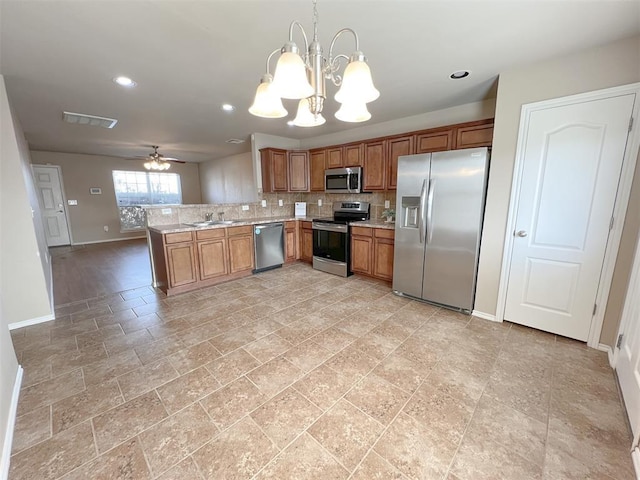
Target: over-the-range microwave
343	180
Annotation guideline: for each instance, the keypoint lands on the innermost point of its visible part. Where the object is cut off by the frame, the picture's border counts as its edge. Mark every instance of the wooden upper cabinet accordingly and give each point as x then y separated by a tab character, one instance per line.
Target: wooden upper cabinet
474	136
375	163
397	147
334	157
353	155
434	141
317	167
275	170
298	171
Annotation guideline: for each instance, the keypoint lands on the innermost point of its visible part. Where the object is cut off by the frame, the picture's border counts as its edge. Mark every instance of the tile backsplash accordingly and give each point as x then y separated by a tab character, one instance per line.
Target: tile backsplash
174	214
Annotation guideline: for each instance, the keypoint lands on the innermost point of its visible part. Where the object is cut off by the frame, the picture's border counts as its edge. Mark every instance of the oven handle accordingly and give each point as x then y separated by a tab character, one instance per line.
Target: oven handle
329	227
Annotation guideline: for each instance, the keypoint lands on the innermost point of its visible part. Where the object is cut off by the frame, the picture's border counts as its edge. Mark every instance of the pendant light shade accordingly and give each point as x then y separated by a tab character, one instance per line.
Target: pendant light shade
267	103
353	112
304	117
290	78
357	85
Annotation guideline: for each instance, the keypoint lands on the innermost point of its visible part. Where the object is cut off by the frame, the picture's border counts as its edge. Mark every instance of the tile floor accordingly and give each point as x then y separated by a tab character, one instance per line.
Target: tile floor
297	374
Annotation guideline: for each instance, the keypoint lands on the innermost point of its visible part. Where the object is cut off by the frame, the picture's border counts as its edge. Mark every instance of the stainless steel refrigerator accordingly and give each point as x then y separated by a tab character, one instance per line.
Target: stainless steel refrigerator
440	205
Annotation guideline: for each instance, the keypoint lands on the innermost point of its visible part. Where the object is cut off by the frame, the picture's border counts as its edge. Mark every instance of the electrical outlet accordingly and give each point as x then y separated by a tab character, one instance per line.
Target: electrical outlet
319	202
72	202
387	204
263	203
166	211
281	203
106	228
245	208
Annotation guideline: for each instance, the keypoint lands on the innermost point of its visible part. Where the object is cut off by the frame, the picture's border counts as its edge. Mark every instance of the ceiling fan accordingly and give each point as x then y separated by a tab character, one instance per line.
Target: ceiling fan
157	161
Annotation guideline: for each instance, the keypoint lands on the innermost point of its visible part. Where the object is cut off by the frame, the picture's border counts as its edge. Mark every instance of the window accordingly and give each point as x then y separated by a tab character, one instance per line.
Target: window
134	189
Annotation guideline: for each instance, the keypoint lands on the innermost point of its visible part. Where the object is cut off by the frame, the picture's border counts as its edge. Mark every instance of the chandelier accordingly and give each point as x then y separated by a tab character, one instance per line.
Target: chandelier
156	164
303	78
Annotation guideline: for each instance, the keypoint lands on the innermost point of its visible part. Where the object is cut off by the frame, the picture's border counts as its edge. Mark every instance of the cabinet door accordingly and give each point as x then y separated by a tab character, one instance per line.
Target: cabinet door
434	142
397	147
307	244
298	171
181	264
334	157
353	155
374	168
290	242
240	253
212	258
474	136
361	254
317	160
279	170
383	258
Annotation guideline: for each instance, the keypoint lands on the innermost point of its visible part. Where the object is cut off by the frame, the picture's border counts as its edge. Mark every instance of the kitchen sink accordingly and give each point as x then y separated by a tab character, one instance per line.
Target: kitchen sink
210	223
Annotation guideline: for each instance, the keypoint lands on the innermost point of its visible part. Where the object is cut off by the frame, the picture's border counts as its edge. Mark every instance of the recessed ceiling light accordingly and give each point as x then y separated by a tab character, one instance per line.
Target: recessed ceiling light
459	74
124	82
227	107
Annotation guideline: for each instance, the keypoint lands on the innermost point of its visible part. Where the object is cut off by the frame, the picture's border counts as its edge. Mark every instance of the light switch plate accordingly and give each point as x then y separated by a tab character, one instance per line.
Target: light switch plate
387	204
280	203
263	203
245	208
72	202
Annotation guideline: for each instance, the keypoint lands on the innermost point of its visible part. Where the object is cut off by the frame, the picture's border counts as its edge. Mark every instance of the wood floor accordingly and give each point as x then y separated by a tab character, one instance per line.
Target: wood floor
88	271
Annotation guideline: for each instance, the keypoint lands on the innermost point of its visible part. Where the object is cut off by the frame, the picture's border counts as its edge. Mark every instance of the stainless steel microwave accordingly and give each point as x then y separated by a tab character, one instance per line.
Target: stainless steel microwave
343	180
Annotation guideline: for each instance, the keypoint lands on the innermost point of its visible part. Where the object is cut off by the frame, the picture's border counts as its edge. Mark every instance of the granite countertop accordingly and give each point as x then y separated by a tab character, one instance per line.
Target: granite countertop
375	223
183	227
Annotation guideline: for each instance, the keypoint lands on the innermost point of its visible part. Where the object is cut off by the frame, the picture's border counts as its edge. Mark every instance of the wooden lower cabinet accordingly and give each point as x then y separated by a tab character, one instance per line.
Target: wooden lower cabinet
290	242
181	264
306	242
240	249
212	256
372	252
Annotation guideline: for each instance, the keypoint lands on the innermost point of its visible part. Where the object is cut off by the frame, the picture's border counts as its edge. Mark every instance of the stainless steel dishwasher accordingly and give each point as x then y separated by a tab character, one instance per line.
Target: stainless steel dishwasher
268	241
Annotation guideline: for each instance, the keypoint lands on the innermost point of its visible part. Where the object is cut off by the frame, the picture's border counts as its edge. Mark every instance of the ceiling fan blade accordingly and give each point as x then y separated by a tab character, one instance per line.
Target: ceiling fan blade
169	159
174	160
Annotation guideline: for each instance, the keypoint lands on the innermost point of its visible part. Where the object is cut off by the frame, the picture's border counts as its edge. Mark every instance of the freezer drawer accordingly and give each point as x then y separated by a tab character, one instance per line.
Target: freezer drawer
268	241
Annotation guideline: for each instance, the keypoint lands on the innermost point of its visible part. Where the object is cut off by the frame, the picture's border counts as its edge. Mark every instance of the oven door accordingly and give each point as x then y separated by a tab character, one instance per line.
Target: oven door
331	241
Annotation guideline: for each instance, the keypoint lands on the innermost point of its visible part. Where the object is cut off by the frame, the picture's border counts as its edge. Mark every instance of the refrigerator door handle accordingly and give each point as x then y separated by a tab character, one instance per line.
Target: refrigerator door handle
421	212
432	185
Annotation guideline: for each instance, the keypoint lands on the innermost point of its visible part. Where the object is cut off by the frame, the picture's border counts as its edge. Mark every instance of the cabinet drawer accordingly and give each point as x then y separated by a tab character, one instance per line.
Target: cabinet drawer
244	230
307	225
178	237
362	231
289	225
384	233
211	233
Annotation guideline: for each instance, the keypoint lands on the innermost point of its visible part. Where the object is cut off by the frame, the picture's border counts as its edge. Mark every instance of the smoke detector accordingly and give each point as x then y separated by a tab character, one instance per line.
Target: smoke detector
91	120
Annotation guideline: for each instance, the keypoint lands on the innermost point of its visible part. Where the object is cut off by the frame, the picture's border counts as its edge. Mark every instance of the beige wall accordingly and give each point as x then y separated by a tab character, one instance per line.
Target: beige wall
24	271
228	180
606	66
93	212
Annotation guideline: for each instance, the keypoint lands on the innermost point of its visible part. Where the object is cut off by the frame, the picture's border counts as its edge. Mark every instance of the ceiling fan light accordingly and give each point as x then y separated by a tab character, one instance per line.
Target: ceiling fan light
290	78
304	117
357	84
267	104
353	112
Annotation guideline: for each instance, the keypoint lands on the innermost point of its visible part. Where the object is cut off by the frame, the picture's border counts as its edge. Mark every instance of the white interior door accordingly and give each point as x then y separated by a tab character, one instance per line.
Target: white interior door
573	156
49	186
628	354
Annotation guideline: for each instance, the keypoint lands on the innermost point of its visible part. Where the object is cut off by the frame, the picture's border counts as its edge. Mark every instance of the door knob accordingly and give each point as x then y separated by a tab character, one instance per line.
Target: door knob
521	233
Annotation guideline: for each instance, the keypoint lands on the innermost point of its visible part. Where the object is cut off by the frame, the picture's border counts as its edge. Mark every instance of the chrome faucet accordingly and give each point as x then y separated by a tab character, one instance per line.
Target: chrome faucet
221	216
208	217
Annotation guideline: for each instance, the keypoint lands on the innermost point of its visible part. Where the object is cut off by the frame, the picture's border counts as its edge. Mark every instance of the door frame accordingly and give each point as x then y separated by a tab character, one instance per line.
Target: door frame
619	209
64	195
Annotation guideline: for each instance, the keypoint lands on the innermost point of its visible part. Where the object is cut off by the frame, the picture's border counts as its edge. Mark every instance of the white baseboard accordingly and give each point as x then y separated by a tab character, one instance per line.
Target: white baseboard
485	316
108	240
11	423
635	456
606	348
32	321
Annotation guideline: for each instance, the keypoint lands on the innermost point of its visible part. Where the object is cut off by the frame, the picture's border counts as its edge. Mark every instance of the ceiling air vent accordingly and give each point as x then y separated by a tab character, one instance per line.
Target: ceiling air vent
91	120
234	140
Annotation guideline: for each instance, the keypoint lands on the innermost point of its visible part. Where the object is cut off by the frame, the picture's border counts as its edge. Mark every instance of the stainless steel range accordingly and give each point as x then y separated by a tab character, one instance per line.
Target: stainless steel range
331	239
